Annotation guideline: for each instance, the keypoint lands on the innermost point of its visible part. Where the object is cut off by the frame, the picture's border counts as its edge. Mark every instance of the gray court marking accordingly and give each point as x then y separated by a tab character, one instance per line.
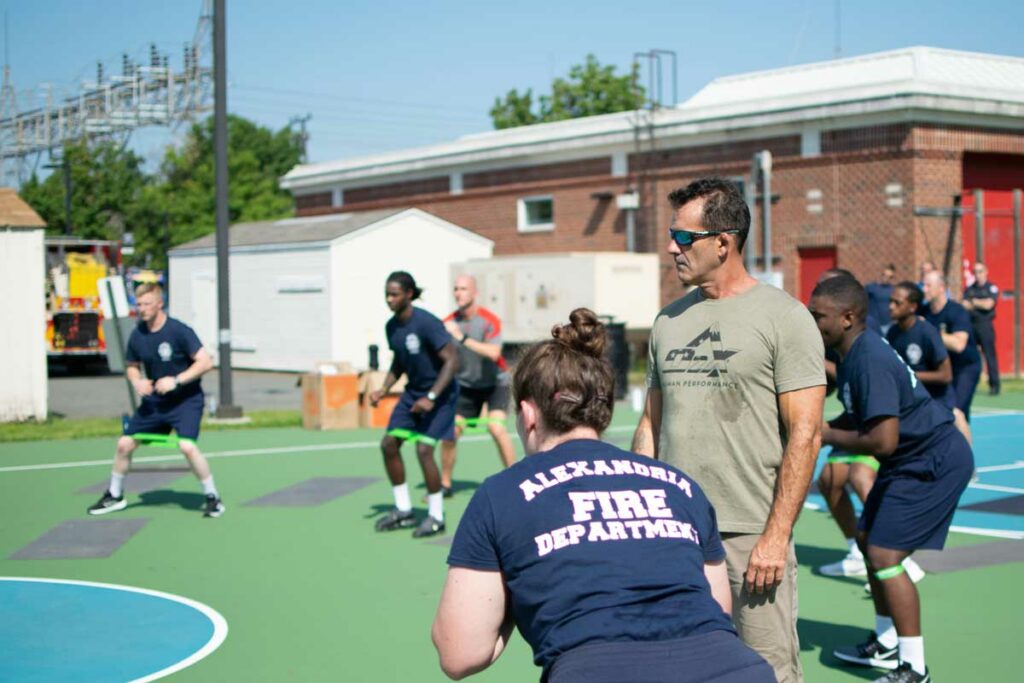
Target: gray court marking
313	492
970	556
443	542
141	482
81	538
1011	505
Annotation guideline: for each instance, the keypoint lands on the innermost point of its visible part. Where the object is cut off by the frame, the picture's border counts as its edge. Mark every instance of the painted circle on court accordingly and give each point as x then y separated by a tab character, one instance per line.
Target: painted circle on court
64	630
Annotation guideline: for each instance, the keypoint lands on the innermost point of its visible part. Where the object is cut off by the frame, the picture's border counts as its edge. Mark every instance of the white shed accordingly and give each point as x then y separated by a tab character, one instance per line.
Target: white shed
311	289
22	310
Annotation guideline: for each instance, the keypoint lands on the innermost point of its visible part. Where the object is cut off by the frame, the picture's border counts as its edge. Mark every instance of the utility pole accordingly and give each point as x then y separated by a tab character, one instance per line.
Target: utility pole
303	135
225	403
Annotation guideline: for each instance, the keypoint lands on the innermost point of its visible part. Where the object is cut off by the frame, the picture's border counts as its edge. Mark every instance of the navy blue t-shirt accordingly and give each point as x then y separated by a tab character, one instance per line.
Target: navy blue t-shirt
954	318
921	348
873	381
166	353
416	343
878	302
595	544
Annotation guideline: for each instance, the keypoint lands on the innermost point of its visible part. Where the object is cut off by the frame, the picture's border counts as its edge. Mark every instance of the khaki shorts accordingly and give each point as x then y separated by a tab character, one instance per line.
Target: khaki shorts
766	622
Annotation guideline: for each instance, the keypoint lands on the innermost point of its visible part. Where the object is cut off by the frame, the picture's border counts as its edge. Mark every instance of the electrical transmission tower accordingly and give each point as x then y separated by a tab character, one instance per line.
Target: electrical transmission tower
110	107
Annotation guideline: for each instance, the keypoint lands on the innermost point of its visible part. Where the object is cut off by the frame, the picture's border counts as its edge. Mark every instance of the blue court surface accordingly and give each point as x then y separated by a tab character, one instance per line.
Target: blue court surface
993	504
54	630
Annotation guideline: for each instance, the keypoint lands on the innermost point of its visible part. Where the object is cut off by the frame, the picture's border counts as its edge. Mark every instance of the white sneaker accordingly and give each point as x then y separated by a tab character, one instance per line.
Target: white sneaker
913	569
851	565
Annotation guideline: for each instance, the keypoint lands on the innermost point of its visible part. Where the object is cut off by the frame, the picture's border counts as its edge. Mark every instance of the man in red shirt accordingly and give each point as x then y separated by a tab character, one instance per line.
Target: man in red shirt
483	375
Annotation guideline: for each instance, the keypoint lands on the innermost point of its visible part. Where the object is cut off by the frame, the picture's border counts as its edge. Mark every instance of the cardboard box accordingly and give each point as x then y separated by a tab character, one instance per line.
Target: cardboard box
330	400
370	416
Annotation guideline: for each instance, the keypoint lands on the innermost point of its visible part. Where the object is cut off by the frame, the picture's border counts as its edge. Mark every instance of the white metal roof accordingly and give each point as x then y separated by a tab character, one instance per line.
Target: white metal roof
922	78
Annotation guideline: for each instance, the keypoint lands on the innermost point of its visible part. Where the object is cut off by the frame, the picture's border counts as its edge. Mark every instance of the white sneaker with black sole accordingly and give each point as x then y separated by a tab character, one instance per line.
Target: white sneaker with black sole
108	503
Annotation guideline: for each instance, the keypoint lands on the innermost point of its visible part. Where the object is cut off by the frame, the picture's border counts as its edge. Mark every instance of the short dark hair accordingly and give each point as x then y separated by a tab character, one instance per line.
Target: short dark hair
914	293
845	291
406	282
836	272
724	206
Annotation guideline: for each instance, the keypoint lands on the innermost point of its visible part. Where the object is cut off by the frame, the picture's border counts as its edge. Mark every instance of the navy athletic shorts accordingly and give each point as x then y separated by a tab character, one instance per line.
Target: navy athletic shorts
965	381
715	657
156	417
439	423
912	506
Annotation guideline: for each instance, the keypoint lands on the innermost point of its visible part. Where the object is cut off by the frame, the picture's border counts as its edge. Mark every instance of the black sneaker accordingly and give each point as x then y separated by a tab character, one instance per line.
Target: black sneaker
869	653
396	519
428	527
447	492
108	503
213	507
905	674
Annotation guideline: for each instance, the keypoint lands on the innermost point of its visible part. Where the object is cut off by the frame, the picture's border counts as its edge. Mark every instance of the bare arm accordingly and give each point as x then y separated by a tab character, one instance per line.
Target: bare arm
718	577
201	364
473	622
879	439
491	352
394	372
143	386
940	375
648	430
450	357
801	414
955	341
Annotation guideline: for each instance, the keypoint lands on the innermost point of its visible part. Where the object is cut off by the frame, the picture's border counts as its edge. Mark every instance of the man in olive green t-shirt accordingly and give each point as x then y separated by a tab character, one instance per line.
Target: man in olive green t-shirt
736	385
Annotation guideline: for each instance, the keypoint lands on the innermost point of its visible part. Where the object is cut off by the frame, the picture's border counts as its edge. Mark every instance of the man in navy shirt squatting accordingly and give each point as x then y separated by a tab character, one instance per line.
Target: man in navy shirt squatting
172	397
925	466
425	353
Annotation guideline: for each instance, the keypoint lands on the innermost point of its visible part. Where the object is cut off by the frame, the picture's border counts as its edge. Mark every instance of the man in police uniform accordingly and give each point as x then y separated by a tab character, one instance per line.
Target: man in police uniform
980	300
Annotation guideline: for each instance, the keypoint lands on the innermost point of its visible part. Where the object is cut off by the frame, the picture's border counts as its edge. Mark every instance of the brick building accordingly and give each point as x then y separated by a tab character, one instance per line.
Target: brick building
857	143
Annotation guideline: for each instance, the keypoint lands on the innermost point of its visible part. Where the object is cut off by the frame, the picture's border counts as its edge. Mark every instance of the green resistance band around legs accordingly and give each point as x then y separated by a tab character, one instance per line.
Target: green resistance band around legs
476	425
160	440
411	436
889	572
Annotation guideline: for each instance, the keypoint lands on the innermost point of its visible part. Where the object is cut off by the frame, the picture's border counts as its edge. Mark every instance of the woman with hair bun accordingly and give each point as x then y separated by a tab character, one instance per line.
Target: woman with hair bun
608	562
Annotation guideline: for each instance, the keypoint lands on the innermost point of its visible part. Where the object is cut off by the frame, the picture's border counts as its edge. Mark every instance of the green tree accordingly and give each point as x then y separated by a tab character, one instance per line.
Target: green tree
106	187
590	89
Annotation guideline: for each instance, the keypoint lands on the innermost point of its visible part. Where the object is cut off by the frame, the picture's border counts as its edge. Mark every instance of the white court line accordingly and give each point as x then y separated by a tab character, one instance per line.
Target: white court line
993	487
1001	468
996	412
994	533
220	624
237	453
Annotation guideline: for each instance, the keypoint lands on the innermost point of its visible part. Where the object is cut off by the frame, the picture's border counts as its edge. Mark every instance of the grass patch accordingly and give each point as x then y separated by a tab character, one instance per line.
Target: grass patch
59	429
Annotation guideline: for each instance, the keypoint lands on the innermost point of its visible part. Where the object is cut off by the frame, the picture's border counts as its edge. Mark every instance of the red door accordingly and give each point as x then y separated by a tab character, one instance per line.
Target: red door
995	175
813	262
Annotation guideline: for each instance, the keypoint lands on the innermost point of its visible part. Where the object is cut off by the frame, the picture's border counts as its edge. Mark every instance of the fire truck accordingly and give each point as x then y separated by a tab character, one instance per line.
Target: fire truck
73	317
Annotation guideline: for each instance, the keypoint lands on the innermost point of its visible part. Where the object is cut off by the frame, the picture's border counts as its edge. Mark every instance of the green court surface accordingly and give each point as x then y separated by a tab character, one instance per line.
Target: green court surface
313	593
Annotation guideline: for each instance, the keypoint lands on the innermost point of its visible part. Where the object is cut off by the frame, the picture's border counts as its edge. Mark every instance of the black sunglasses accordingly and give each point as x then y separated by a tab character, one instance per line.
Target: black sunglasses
685	238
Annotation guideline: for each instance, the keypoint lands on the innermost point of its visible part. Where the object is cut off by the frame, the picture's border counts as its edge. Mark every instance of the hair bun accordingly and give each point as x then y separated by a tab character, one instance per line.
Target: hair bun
584	334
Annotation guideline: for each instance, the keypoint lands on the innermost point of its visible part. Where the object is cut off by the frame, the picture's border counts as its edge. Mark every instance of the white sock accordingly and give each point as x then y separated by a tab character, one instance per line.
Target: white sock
402	500
209	489
854	550
116	484
885	631
435	504
912	652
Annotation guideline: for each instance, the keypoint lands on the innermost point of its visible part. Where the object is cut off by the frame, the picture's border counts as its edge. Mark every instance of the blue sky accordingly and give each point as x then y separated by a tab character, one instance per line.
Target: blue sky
384	74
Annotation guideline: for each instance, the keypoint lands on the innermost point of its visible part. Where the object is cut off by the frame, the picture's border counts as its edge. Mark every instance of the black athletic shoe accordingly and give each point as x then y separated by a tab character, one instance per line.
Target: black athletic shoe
108	503
447	492
428	527
904	674
869	653
396	519
213	507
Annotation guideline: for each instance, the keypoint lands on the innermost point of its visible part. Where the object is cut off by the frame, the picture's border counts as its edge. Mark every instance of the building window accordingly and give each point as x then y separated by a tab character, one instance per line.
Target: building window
536	214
